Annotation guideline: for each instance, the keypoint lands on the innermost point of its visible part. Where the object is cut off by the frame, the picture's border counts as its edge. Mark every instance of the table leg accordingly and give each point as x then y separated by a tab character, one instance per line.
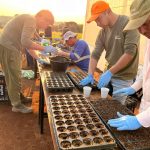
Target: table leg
41	108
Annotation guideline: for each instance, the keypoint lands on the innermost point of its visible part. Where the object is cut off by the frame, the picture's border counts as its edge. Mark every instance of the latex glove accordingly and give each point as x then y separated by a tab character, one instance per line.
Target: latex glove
125	122
49	49
29	74
87	80
125	91
104	79
72	70
45	42
42	61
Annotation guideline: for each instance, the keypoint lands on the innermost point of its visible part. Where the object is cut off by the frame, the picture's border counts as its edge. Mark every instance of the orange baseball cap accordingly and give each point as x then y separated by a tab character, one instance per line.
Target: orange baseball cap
97	8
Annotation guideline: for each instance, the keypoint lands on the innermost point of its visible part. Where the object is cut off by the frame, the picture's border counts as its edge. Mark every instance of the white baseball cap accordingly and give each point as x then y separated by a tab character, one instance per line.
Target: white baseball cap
68	35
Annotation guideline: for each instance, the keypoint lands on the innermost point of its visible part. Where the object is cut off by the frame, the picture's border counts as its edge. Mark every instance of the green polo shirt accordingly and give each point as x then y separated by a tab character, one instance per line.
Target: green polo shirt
116	42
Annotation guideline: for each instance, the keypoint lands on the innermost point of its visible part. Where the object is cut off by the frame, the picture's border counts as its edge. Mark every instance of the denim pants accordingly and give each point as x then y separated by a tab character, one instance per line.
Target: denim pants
118	84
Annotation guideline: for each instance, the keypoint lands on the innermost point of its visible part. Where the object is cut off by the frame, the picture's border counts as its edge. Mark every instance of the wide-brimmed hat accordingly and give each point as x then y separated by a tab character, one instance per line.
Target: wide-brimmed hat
140	11
97	8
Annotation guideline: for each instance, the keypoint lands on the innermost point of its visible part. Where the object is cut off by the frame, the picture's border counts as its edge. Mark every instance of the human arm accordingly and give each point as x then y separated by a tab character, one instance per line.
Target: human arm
133	88
62	53
130	54
125	122
144	118
94	60
27	34
80	51
120	64
124	60
34	54
89	78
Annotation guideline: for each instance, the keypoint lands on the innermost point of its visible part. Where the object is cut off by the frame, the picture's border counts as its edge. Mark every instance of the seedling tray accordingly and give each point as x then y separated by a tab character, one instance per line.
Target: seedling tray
76	77
76	125
58	82
127	140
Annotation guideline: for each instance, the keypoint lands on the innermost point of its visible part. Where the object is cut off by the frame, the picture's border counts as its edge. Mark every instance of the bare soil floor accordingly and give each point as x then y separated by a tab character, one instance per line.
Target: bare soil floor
21	131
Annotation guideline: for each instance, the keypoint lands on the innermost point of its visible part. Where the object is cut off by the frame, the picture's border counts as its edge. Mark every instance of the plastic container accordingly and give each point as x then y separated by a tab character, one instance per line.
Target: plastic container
59	64
87	91
104	92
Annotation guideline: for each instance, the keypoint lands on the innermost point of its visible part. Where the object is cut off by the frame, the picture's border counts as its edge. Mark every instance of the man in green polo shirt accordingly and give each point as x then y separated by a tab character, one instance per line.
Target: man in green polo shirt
17	35
121	49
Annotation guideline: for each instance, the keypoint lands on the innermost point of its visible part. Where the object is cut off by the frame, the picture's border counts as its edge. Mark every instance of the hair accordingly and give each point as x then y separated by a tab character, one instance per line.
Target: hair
47	14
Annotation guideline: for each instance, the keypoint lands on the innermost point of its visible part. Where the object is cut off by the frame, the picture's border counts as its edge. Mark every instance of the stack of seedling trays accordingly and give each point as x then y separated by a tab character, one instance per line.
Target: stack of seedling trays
76	77
58	81
127	140
76	125
3	90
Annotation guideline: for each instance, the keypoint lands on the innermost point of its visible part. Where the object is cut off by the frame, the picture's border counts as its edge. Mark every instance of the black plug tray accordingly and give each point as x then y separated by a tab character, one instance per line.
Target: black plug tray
76	77
58	81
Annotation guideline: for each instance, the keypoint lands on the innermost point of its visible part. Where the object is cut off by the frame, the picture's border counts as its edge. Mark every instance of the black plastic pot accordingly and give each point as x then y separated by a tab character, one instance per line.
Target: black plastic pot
59	64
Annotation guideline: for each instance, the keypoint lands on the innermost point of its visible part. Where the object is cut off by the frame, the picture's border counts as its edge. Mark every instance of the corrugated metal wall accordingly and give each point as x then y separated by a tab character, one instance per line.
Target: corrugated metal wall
91	30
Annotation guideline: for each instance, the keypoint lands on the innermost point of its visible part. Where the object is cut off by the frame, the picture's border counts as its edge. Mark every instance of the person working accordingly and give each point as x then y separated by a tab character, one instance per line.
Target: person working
17	35
139	19
121	50
80	53
62	43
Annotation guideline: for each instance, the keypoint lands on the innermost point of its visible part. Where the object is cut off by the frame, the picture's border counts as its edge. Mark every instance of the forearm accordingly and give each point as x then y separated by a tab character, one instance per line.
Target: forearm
35	46
143	118
124	60
92	65
64	54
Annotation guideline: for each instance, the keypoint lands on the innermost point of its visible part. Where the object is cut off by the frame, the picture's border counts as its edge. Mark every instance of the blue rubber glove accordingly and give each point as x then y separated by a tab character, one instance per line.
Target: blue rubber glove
72	70
87	80
104	79
42	62
49	49
125	122
125	91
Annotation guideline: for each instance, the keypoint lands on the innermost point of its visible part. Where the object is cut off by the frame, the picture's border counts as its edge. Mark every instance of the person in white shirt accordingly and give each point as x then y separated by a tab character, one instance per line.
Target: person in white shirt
139	19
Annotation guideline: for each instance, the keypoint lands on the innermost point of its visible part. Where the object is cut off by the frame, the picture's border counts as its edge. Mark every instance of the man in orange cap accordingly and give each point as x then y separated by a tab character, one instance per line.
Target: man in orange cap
121	49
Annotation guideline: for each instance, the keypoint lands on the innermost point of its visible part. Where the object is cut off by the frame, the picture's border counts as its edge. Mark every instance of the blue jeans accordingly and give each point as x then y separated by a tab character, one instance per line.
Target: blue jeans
119	84
30	60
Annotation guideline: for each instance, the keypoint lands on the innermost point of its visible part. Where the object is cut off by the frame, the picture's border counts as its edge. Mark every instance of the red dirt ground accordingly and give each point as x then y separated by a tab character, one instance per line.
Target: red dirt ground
21	131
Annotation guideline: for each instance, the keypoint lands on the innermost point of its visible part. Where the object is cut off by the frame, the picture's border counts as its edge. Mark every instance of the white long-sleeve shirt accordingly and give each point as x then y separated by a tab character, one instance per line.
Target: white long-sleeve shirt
144	82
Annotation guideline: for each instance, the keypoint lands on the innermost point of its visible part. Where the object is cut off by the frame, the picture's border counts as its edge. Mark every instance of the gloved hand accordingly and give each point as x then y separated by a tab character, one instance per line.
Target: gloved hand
29	74
125	91
125	122
49	49
72	70
104	79
87	80
45	42
42	61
